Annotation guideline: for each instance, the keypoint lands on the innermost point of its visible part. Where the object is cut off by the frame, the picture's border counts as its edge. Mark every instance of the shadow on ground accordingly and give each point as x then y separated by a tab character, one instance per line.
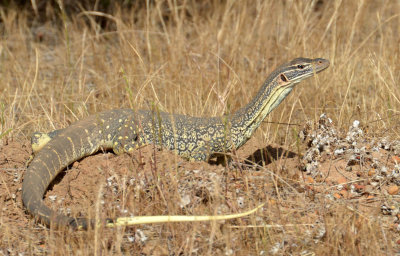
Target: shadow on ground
267	155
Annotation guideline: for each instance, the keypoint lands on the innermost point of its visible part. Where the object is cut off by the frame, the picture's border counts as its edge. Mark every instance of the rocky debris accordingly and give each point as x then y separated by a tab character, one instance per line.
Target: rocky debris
360	152
347	171
371	165
326	141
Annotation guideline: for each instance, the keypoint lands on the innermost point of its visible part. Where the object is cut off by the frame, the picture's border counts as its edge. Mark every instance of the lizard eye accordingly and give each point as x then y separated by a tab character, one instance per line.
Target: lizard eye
300	66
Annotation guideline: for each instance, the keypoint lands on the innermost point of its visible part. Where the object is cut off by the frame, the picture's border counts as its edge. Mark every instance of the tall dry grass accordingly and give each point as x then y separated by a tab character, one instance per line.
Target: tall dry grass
204	59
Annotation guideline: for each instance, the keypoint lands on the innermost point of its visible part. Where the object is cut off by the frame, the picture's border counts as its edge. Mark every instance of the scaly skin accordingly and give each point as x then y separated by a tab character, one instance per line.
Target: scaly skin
124	130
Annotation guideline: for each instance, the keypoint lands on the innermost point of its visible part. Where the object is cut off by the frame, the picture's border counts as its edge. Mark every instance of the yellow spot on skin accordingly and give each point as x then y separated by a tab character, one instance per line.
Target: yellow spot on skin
102	120
107	127
120	120
126	126
42	140
116	143
120	137
99	131
72	144
126	137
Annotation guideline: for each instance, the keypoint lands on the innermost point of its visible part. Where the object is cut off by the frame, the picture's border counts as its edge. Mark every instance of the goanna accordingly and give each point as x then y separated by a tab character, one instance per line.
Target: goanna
124	130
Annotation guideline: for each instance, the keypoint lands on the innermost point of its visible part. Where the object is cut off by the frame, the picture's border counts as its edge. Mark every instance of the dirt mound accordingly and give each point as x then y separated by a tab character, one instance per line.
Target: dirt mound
340	174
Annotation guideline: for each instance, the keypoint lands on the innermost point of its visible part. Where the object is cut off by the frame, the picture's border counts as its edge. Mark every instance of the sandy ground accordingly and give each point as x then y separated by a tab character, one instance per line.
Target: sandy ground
338	169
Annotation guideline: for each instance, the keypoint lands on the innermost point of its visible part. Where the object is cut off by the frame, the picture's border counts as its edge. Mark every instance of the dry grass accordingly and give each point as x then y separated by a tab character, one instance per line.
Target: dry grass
205	59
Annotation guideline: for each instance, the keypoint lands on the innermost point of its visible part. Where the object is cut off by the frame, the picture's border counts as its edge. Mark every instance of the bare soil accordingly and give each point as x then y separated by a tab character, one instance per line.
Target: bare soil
156	181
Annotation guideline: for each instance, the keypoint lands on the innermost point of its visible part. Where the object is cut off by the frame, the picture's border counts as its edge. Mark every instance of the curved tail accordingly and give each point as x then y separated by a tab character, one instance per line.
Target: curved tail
55	156
46	166
73	143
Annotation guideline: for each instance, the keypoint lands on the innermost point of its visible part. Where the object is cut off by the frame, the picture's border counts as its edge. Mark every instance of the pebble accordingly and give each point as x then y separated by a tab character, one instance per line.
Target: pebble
370	197
339	152
359	188
384	170
396	159
185	200
393	190
341	180
344	193
309	180
272	202
337	195
374	184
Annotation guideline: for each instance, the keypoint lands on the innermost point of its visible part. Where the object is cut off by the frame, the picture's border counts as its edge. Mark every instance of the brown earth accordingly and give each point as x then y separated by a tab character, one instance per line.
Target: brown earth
158	182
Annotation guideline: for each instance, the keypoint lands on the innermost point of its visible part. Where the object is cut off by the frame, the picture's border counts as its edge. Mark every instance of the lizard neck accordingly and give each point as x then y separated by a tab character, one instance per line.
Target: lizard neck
248	118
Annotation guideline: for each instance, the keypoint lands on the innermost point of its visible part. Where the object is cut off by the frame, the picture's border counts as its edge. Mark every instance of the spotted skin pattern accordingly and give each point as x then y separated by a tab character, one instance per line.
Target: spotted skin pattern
121	130
124	130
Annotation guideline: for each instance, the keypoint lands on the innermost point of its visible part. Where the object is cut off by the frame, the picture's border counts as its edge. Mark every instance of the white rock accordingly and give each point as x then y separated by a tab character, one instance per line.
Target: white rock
139	235
240	201
338	151
185	200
